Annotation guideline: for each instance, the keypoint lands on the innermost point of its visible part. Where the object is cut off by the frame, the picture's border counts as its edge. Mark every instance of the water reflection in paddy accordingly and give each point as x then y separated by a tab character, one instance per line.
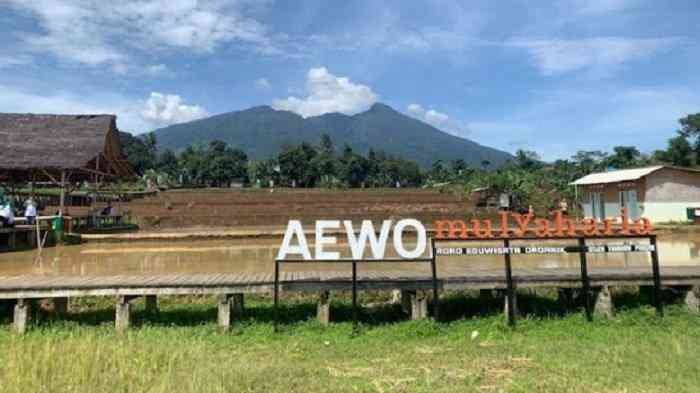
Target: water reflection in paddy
257	256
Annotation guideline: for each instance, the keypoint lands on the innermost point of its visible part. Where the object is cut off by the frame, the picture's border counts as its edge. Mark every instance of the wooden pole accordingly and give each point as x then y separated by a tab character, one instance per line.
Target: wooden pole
38	234
63	192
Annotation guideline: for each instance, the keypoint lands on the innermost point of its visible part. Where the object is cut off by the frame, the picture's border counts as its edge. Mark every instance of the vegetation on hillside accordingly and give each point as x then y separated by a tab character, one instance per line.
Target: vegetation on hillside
528	179
262	132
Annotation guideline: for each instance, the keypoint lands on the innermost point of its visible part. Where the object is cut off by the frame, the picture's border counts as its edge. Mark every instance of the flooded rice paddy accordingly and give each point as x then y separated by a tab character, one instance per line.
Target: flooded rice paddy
257	256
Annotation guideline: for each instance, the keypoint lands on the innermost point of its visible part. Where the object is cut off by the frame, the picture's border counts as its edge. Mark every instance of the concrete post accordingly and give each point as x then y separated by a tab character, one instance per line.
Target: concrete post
225	315
151	302
603	303
22	315
416	302
692	299
122	319
395	296
323	310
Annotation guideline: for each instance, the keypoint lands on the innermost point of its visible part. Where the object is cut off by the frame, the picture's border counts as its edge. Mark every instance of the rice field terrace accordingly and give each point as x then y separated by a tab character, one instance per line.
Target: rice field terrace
274	207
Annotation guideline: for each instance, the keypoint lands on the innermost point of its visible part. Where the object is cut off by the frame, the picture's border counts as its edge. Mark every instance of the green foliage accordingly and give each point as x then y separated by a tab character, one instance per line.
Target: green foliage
528	160
297	165
624	157
528	179
140	151
224	165
690	125
325	163
167	163
679	151
263	173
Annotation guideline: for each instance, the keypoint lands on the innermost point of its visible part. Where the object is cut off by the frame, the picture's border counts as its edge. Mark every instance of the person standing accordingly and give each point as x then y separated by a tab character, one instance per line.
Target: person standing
564	207
7	215
57	226
30	211
504	202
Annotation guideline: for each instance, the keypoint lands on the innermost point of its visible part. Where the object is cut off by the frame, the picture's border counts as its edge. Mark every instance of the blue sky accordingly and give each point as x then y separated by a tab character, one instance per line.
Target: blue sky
555	77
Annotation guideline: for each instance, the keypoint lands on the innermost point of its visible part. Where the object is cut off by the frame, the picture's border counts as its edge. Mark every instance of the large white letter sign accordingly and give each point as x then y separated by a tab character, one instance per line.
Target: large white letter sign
321	239
358	244
294	228
420	238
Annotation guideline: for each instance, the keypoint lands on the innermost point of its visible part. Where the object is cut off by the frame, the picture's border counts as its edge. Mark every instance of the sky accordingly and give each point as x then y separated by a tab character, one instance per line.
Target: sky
554	77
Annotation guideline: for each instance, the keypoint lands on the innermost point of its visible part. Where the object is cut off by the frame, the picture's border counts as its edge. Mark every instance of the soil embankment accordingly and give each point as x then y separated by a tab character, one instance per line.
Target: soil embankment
221	209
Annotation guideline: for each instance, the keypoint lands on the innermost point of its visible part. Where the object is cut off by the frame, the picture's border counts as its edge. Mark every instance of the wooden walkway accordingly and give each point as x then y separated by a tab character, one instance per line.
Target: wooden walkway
47	286
230	287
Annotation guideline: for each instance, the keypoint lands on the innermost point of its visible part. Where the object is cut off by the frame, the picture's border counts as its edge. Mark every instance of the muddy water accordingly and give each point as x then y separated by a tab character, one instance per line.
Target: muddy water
255	256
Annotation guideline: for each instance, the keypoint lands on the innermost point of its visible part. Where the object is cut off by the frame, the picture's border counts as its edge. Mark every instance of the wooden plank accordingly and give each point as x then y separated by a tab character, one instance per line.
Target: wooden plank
24	286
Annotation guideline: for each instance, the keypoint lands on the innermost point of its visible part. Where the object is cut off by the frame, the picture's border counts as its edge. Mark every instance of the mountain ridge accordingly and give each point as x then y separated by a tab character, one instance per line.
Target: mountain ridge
262	131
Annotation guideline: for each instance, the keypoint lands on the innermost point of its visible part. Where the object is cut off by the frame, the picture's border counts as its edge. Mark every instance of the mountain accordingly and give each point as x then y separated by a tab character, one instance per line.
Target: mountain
262	132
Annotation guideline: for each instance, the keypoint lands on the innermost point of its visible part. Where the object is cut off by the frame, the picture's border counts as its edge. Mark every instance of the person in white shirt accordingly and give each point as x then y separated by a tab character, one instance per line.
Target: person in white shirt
30	211
7	216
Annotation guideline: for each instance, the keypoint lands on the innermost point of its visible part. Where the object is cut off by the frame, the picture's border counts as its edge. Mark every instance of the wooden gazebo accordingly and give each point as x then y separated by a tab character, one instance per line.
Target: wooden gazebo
61	149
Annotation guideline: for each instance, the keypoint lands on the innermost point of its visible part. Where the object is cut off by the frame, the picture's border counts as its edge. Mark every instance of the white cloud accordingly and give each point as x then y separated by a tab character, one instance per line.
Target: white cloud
165	109
16	60
595	7
597	54
157	69
17	100
327	93
94	32
263	84
437	119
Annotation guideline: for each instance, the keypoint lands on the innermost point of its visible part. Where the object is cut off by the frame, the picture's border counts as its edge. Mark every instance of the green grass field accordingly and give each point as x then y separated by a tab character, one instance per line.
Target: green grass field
181	350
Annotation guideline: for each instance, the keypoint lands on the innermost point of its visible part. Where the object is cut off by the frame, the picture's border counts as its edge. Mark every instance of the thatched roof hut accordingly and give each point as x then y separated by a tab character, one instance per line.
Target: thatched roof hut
81	147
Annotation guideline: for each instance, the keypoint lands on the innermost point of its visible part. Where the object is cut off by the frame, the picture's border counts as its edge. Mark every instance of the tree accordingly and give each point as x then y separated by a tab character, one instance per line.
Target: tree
192	165
690	128
690	125
527	159
439	172
263	172
167	162
325	161
589	161
354	168
459	166
140	151
296	165
224	165
624	157
679	151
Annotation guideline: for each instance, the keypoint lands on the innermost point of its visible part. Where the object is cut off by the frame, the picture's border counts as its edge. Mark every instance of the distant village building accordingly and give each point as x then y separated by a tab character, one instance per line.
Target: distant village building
659	193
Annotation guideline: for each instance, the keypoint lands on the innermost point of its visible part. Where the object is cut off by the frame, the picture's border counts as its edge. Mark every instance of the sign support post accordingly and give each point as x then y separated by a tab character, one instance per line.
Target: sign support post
657	276
354	297
510	290
585	281
276	294
433	268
